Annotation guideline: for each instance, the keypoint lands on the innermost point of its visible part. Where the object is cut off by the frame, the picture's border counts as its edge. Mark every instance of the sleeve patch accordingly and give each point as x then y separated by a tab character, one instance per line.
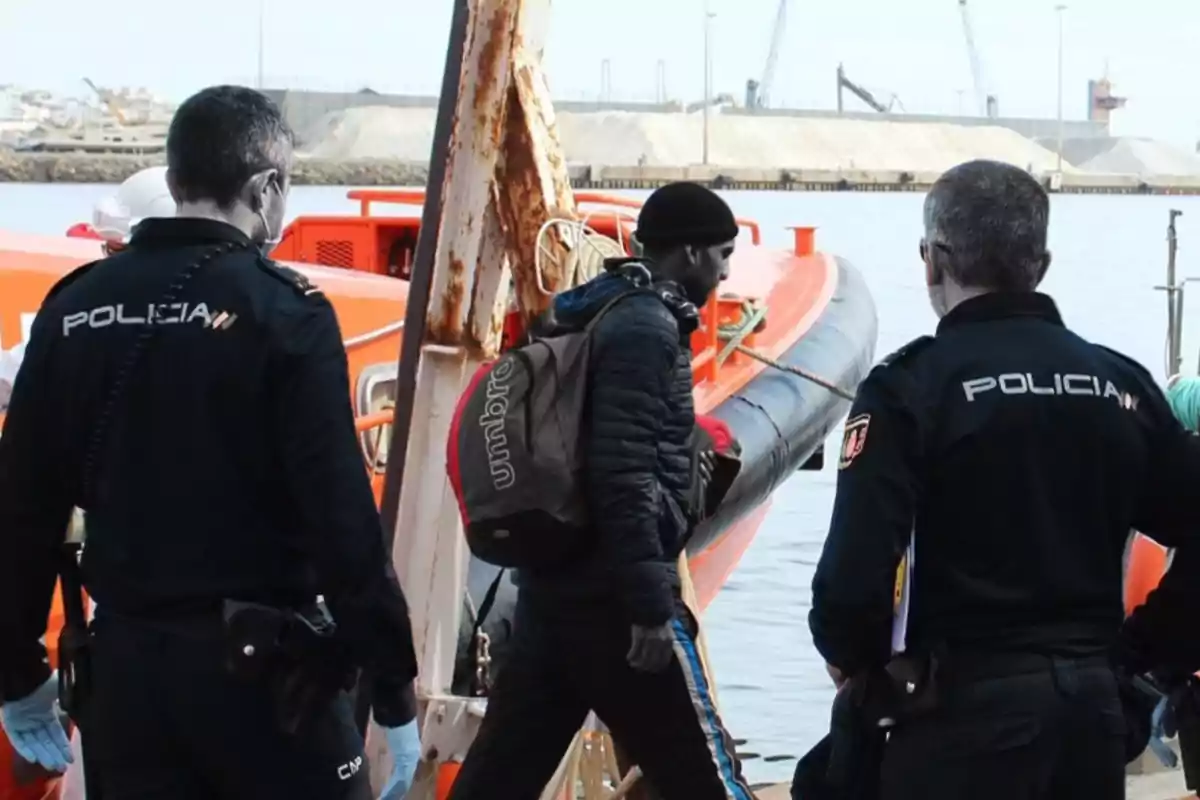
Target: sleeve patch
854	439
296	280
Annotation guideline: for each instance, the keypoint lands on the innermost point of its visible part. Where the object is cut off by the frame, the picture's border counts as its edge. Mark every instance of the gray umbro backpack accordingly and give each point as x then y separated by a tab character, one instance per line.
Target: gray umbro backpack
514	455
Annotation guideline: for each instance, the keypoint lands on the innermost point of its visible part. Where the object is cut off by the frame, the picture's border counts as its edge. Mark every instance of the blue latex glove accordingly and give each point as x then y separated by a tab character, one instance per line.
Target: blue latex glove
35	730
404	743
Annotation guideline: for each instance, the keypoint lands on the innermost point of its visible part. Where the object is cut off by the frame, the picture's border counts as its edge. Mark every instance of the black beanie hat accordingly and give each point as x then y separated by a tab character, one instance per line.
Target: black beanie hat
685	214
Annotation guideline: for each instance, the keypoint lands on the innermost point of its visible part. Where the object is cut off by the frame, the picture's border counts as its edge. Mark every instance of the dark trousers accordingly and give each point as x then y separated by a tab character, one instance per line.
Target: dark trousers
556	671
168	723
1052	728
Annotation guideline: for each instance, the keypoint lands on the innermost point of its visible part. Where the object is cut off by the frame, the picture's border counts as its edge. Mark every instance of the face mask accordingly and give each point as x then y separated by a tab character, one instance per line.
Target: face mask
937	289
937	299
270	240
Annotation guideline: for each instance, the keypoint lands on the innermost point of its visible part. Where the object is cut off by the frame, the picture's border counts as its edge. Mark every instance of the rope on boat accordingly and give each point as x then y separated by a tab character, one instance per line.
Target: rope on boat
808	376
371	336
752	319
586	252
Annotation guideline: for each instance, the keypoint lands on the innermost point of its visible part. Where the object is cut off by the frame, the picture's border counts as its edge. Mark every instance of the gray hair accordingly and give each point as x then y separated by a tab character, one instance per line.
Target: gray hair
989	220
221	137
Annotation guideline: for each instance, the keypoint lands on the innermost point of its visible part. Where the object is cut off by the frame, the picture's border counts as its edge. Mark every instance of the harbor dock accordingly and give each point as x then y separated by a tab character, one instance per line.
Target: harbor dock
17	167
379	140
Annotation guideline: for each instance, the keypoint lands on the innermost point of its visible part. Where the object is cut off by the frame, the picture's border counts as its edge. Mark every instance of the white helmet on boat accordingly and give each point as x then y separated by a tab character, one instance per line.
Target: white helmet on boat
142	195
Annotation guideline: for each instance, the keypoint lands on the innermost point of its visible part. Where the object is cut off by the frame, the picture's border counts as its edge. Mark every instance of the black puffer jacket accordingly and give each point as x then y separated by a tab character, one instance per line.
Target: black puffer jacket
638	443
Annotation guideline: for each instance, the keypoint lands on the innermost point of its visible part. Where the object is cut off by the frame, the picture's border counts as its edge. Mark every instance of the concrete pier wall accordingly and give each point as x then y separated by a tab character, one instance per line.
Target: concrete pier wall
370	139
304	108
627	139
86	168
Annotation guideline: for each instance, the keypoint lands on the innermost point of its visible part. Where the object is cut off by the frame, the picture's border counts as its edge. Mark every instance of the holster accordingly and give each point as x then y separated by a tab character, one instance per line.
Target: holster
295	653
846	764
74	642
906	687
75	683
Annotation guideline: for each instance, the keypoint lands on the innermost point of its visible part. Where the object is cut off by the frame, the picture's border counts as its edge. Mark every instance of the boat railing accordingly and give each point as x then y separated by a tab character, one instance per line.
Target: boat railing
378	419
599	198
381	422
366	198
401	197
723	320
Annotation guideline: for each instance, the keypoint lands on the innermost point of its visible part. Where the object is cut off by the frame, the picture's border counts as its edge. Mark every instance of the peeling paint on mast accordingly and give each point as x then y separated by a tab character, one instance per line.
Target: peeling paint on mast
534	182
474	154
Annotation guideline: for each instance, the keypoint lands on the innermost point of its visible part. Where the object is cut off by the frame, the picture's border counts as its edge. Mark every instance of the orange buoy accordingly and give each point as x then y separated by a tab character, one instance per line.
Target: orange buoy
446	775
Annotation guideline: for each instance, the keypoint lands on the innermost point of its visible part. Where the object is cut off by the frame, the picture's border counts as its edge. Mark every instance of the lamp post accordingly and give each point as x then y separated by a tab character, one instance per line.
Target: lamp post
1060	8
262	11
708	17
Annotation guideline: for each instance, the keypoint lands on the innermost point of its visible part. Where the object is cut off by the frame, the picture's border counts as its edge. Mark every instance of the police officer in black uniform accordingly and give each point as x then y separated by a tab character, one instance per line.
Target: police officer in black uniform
1160	635
1008	458
213	450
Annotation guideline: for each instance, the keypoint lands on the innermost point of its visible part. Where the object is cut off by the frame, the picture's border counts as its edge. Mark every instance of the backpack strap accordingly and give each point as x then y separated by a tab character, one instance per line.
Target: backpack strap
489	600
604	309
485	608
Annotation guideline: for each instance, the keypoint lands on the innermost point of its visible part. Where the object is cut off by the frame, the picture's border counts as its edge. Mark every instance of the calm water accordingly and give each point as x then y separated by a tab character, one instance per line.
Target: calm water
1108	254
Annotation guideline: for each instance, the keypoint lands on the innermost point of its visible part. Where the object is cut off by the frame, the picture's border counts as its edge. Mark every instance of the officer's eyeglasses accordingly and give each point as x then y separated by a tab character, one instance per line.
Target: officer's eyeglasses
923	248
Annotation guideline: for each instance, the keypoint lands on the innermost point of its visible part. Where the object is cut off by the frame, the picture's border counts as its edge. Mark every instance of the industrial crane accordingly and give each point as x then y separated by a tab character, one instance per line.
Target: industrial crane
986	102
109	99
864	94
758	93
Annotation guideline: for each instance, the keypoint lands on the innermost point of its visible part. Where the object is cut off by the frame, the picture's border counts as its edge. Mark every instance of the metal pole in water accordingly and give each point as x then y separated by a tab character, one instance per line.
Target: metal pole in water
1174	322
707	77
1060	9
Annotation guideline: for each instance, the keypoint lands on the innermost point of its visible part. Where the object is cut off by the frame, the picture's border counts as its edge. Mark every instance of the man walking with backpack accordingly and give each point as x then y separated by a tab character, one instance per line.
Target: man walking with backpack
603	628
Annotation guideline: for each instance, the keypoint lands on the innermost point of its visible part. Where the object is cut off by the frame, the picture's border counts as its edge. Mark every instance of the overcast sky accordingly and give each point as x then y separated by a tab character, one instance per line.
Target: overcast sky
913	49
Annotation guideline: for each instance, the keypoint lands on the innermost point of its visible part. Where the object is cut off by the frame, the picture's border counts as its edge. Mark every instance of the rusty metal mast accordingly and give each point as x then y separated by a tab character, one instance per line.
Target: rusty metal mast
496	176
